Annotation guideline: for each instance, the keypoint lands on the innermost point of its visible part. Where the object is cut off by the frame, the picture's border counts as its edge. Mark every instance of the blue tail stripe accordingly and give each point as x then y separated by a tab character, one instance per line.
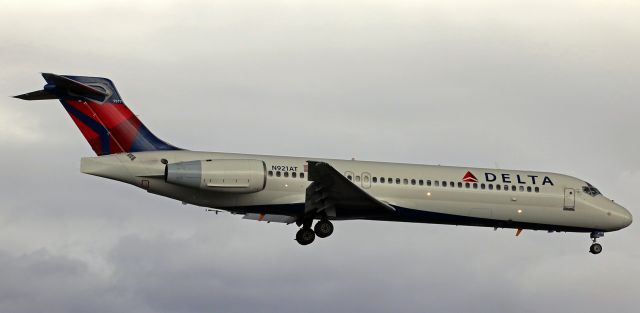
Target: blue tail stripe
102	132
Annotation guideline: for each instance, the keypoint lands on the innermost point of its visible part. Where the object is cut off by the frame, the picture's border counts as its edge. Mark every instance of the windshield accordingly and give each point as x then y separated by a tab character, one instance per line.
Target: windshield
590	190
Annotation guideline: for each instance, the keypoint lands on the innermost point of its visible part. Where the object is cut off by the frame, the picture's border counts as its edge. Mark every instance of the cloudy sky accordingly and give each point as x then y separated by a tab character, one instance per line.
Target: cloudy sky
540	85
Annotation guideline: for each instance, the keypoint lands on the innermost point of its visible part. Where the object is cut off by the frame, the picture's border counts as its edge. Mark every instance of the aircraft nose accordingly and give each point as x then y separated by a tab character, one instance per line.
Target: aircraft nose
628	218
622	216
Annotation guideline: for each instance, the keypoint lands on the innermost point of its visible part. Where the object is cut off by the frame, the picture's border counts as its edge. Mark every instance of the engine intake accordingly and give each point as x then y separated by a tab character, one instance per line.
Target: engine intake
234	176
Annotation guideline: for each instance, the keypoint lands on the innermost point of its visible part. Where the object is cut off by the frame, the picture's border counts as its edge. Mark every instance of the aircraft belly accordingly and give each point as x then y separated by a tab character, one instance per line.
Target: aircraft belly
487	214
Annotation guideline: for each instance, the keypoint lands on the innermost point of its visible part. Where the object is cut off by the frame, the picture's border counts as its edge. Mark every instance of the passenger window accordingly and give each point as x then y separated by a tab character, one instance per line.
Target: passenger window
498	187
452	184
444	184
521	188
467	185
374	179
301	175
506	187
490	186
482	186
390	180
537	189
420	182
475	185
277	173
436	183
286	174
428	183
293	175
413	181
382	180
270	173
349	177
405	181
459	185
528	188
513	187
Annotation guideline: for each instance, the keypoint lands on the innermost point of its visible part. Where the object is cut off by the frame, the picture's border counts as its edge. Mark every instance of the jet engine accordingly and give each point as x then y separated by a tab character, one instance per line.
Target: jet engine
234	176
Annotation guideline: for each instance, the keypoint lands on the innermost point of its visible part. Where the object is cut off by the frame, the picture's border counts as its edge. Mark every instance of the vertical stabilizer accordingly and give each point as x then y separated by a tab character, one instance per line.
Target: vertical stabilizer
101	115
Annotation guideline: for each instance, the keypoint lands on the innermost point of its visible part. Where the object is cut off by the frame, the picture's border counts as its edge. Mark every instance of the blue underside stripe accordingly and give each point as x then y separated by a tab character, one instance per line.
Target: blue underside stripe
418	216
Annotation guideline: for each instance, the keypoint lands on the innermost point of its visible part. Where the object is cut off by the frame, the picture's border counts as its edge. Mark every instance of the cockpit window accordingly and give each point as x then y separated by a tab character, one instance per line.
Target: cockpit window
590	190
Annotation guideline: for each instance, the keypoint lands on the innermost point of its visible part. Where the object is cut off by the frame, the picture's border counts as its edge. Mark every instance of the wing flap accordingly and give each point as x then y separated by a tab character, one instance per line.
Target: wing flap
276	218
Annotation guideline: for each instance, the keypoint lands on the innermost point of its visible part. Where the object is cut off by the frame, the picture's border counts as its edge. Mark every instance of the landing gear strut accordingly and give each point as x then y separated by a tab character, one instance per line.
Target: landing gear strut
596	248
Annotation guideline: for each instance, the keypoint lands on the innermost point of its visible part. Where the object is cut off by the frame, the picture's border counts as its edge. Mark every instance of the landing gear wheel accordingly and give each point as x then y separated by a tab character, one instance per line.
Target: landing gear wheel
596	248
305	236
323	228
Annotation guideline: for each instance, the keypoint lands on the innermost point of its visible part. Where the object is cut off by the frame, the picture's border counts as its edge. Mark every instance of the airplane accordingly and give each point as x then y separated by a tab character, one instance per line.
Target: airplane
302	190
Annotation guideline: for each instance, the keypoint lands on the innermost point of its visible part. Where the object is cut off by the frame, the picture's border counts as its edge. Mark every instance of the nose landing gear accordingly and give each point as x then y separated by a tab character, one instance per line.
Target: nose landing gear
596	248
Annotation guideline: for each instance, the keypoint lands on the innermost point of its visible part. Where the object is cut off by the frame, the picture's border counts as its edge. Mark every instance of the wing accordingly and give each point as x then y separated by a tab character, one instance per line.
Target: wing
333	193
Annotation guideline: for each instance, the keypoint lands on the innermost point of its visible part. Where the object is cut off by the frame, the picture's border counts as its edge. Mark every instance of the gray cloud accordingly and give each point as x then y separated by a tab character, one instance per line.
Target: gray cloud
537	85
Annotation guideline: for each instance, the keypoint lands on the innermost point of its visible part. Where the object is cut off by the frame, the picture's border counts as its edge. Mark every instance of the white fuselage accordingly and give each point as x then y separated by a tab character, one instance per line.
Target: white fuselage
420	193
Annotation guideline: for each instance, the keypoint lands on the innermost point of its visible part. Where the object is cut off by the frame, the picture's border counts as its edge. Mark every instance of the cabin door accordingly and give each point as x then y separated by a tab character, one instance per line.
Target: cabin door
569	199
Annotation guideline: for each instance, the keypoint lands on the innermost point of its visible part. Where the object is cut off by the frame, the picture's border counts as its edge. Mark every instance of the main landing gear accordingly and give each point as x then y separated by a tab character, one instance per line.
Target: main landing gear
596	248
322	229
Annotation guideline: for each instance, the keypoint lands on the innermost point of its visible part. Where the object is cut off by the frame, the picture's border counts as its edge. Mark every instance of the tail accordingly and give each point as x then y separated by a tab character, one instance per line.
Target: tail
97	109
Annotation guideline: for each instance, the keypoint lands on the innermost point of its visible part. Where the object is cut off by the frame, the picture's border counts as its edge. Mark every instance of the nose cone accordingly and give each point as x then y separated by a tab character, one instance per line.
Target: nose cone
628	218
620	217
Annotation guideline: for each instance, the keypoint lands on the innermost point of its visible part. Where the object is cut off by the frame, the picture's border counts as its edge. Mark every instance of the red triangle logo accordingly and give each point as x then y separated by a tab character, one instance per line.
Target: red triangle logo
469	178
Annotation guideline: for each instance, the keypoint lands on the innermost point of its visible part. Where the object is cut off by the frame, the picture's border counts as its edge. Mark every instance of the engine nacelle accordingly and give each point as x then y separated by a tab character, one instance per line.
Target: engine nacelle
236	176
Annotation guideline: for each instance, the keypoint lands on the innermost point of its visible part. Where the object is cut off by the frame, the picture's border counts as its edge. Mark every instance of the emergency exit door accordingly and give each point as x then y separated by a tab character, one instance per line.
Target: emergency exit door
366	180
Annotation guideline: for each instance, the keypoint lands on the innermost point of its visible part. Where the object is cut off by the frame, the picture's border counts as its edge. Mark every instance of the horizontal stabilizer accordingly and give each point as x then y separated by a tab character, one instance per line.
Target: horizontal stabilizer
37	95
73	86
60	86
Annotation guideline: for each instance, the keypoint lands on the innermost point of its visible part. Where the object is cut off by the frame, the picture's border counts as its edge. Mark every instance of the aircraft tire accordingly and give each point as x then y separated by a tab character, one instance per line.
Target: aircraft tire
323	228
305	236
595	248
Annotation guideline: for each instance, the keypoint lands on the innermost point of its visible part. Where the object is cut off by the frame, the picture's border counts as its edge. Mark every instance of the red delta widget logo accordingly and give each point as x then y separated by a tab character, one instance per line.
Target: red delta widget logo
469	178
509	178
